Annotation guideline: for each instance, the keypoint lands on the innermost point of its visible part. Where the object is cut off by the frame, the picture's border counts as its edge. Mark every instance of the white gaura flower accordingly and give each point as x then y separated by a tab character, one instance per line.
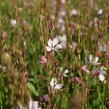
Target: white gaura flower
63	40
54	45
54	85
62	13
64	73
101	77
100	11
93	60
13	22
31	105
102	74
34	104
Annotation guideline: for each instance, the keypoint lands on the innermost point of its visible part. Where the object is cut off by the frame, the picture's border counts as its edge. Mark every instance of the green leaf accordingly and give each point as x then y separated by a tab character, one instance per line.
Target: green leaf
32	88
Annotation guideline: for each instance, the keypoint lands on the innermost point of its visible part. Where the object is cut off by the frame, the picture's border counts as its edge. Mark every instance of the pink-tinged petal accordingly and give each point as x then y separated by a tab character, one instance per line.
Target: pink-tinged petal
43	60
46	98
36	105
48	48
50	43
85	69
55	41
63	1
59	46
73	12
75	80
58	86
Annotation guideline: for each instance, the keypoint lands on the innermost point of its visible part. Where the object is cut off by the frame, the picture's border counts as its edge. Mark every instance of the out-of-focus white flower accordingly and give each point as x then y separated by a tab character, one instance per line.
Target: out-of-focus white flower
54	45
93	60
54	85
31	105
63	72
52	17
62	13
58	86
35	105
66	71
63	40
60	21
63	1
41	17
53	82
102	46
100	11
74	12
13	22
101	77
100	73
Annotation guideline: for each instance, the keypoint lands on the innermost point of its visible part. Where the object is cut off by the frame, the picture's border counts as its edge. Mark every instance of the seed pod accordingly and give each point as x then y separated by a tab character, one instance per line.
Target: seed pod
5	58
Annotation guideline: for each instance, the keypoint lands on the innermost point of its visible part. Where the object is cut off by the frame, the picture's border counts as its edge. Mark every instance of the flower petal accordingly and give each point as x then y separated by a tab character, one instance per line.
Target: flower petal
55	41
59	46
63	38
48	48
90	58
101	77
50	43
58	86
53	82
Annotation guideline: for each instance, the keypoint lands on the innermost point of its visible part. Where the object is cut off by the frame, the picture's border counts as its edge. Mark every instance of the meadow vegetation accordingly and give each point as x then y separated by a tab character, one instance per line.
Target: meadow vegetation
54	54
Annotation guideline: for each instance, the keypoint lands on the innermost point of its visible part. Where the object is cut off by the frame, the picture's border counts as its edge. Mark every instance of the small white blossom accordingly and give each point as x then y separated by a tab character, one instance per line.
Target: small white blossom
62	13
101	77
100	11
58	86
54	85
31	105
66	71
13	22
63	1
102	74
60	21
63	73
63	40
35	105
93	60
54	45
